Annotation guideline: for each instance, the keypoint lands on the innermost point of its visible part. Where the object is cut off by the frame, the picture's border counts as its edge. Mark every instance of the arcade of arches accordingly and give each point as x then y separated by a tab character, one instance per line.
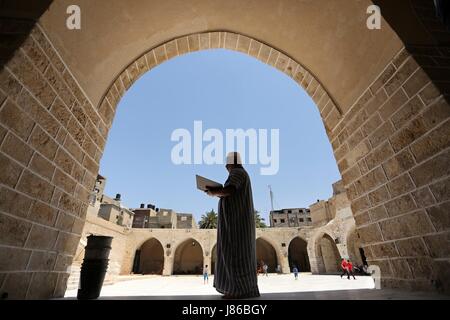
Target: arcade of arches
382	95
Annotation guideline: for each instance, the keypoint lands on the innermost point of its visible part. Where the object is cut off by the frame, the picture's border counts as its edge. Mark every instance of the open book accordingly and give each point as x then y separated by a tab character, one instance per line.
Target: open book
202	183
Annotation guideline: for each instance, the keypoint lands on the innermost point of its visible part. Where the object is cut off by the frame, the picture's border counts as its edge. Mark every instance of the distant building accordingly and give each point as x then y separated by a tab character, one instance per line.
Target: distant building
323	211
109	208
293	217
155	218
114	212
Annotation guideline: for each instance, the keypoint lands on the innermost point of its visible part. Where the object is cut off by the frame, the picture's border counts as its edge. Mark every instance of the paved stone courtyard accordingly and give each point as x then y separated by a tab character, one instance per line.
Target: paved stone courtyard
274	286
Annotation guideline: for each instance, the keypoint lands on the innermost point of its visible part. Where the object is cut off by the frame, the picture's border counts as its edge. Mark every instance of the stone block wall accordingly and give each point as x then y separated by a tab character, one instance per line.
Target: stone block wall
51	139
392	148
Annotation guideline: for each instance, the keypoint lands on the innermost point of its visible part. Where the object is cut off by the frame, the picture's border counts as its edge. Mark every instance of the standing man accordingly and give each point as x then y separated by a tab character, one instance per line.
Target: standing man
236	245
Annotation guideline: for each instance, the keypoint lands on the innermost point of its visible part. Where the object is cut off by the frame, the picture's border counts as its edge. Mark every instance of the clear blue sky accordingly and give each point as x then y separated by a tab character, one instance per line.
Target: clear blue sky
224	89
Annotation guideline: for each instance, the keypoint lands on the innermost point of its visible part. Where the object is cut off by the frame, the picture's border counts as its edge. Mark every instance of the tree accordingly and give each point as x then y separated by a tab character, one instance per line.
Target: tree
208	220
259	222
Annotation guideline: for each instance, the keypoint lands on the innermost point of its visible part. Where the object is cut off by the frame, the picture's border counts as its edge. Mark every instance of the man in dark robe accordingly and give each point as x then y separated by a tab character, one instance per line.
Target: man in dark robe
235	275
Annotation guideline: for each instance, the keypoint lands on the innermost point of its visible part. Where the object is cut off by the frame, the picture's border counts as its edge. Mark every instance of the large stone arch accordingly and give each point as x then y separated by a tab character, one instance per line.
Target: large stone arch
314	246
298	254
266	252
354	249
188	257
390	142
151	257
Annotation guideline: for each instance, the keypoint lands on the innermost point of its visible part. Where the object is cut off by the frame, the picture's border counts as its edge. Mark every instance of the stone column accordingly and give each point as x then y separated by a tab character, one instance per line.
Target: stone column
168	265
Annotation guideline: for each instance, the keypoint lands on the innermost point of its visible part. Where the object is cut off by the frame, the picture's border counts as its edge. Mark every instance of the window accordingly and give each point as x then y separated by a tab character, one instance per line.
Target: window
301	219
282	221
289	211
274	220
309	219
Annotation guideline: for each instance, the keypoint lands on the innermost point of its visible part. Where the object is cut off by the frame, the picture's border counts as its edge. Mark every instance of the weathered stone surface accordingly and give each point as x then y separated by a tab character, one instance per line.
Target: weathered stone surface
65	221
370	234
378	213
423	197
400	205
385	250
13	259
67	243
371	180
398	164
63	262
43	143
16	285
14	203
429	94
43	214
64	181
35	186
61	285
64	161
401	268
408	225
432	143
13	232
379	195
408	134
400	185
413	247
11	171
362	219
407	112
405	71
440	216
9	84
360	204
421	267
378	155
393	104
432	170
437	245
42	285
417	81
381	134
41	238
383	78
43	166
16	120
42	261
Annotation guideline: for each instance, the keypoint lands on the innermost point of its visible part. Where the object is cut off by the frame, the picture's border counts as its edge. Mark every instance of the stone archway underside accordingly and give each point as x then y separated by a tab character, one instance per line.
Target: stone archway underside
391	143
151	257
188	258
265	253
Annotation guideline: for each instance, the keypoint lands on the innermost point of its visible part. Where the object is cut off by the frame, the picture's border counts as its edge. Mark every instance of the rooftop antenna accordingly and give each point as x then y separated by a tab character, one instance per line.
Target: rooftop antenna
271	197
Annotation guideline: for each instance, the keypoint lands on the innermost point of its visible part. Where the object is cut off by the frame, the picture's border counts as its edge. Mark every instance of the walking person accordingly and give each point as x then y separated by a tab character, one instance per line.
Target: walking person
350	270
205	275
235	275
344	268
295	270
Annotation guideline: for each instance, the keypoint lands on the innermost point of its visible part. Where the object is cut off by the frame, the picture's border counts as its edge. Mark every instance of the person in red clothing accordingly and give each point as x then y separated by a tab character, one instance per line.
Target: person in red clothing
344	267
350	270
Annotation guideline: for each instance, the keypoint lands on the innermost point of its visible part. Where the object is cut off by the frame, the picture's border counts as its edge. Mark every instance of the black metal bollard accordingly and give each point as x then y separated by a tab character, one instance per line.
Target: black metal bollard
94	267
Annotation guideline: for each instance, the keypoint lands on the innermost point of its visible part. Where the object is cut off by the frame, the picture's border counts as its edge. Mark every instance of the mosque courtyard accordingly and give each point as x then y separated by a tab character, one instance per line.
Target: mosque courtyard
274	286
